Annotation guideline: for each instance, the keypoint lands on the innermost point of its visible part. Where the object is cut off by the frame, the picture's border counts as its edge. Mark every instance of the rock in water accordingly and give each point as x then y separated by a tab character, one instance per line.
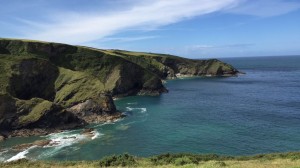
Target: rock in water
2	138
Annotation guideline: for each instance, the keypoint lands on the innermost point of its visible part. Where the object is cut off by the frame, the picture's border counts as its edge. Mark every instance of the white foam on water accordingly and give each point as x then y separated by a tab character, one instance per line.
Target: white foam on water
129	109
117	120
133	103
63	139
58	141
96	135
20	155
4	151
107	123
142	110
60	133
2	158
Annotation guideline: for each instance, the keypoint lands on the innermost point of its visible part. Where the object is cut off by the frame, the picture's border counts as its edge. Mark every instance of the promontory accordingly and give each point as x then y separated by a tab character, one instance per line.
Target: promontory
45	87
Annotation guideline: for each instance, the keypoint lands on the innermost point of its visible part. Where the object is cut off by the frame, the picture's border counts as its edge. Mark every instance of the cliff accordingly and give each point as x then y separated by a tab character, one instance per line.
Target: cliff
51	86
170	67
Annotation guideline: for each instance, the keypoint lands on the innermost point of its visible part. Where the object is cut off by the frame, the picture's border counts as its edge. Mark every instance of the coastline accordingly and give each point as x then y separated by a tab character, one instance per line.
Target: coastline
93	119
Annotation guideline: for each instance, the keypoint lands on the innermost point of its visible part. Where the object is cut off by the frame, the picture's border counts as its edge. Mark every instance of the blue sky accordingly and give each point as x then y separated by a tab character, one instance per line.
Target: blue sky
190	28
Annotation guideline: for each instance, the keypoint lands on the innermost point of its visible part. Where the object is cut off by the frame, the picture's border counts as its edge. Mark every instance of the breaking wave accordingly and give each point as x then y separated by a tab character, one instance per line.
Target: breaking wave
141	110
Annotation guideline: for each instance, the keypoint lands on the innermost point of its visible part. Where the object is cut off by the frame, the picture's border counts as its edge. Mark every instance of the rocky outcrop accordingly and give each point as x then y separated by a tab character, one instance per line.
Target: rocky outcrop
2	138
92	111
34	117
47	87
38	143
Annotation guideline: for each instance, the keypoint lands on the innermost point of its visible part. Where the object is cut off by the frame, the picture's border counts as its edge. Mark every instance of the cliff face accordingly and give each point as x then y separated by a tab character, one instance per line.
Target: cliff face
170	67
50	85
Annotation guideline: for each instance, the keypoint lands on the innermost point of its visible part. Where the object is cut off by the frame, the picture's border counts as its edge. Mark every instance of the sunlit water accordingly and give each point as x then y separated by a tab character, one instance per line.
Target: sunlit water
254	113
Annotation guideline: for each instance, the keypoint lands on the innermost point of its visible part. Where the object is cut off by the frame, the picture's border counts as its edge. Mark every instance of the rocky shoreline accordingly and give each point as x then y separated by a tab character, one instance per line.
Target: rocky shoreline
84	136
25	132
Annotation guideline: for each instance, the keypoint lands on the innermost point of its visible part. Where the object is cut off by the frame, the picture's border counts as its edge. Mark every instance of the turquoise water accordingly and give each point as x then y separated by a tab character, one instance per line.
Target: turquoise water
254	113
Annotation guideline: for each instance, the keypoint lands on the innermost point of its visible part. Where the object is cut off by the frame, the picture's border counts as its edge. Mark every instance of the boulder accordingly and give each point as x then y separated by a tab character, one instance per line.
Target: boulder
2	138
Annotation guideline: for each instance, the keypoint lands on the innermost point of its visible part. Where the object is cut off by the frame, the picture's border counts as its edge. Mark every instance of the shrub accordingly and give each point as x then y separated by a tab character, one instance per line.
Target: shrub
118	160
177	159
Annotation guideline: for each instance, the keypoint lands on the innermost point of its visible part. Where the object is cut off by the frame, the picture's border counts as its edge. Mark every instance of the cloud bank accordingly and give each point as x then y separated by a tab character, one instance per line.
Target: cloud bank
100	22
74	28
265	8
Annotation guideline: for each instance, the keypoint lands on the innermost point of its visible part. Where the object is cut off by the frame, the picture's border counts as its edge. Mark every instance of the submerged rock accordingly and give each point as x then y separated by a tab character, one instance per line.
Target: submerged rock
38	143
89	132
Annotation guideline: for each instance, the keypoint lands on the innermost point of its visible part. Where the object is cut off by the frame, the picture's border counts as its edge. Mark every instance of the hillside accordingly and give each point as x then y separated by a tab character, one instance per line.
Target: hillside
46	87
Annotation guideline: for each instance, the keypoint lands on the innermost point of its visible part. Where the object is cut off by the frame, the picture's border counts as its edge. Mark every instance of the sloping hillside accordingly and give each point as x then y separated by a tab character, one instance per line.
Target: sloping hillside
50	86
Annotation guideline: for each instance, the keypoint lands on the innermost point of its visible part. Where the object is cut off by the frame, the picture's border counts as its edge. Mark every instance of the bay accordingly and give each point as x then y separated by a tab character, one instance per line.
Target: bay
258	112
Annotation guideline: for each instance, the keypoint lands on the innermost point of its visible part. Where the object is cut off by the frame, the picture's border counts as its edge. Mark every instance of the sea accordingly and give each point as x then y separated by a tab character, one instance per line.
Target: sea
254	113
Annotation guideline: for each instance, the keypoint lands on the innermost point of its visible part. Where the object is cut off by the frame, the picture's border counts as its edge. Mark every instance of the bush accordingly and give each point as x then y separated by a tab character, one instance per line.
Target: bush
118	160
183	161
177	159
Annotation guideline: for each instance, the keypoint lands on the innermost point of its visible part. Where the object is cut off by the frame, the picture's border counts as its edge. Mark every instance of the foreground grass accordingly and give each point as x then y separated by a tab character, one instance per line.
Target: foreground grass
277	160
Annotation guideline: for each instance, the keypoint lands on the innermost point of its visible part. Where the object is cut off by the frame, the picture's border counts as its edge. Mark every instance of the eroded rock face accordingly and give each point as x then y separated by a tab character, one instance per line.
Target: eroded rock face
93	110
33	78
133	79
7	111
86	108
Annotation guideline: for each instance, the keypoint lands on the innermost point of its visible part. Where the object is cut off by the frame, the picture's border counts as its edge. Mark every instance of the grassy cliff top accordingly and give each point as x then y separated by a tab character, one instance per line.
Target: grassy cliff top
276	160
114	52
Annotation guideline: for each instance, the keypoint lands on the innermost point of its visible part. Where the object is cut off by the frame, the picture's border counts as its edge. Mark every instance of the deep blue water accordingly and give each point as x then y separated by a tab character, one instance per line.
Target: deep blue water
254	113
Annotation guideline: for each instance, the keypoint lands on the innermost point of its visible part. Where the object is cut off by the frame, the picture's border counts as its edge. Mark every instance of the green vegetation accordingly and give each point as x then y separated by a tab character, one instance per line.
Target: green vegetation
167	66
36	113
124	160
63	76
275	160
75	86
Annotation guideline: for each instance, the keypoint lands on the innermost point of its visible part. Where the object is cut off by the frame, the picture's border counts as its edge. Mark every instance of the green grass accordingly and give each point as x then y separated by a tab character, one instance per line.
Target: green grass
36	113
75	86
280	160
83	72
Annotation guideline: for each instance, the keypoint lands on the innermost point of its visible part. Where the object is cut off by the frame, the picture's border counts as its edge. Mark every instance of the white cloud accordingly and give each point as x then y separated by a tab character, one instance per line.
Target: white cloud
265	8
83	28
79	27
